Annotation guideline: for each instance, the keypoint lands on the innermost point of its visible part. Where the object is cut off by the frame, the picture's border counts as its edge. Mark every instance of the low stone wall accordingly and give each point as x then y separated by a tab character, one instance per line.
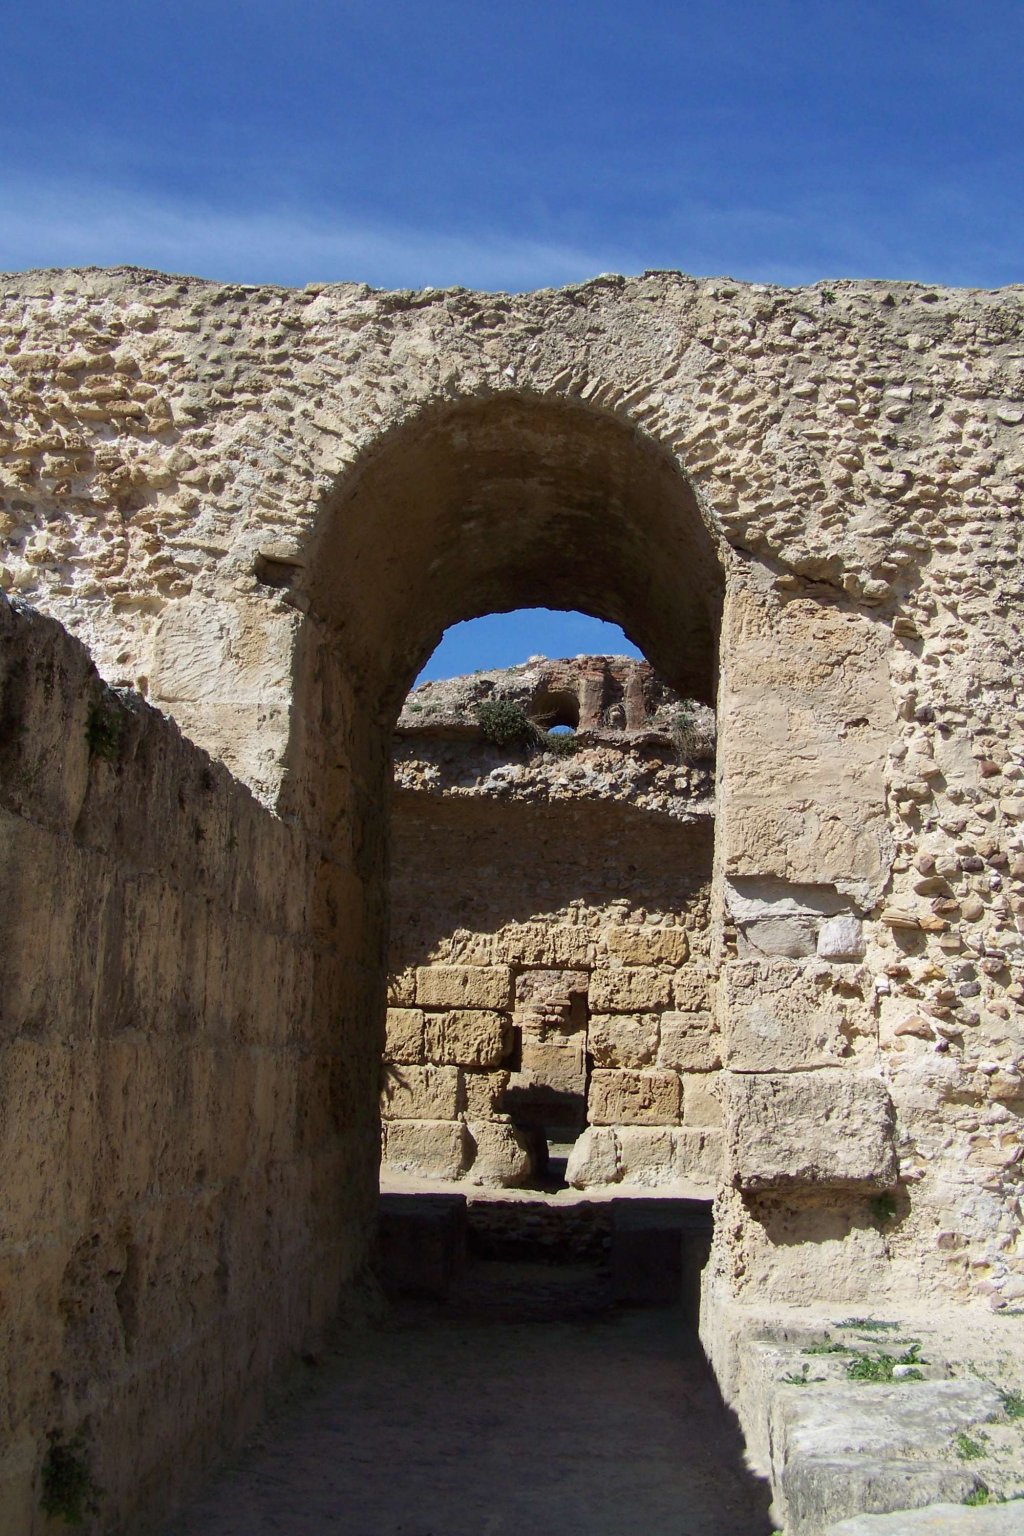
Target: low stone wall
187	1179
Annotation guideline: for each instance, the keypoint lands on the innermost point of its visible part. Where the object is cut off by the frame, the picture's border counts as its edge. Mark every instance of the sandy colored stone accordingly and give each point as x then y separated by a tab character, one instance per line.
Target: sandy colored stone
482	1093
468	1037
404	1035
594	1159
691	989
623	1039
463	986
647	946
634	1098
420	1093
630	989
702	1104
434	1149
498	1154
689	1042
829	1128
781	1017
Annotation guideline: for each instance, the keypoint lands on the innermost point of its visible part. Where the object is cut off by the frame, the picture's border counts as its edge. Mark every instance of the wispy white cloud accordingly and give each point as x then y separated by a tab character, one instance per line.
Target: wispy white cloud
49	223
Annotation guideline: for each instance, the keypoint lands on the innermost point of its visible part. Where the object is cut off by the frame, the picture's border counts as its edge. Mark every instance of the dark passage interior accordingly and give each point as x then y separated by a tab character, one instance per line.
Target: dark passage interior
537	1370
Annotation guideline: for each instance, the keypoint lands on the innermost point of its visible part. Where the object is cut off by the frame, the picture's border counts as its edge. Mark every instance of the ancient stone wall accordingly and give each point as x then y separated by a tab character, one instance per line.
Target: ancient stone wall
264	507
550	905
187	1173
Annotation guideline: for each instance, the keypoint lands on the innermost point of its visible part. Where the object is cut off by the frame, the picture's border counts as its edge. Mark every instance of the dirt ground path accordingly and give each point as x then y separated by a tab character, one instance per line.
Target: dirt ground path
513	1421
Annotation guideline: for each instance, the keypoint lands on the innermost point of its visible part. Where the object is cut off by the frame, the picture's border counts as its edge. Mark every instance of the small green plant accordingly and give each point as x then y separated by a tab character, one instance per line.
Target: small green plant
104	727
980	1495
828	295
881	1367
801	1378
829	1349
69	1492
1013	1404
561	743
883	1209
504	724
969	1448
867	1324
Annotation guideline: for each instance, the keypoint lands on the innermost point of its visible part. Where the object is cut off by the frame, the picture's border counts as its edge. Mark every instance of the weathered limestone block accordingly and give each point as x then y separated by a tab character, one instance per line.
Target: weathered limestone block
468	1037
556	987
559	1061
434	1149
647	946
700	1155
403	1040
634	1098
689	1042
702	1103
780	1018
629	990
463	986
623	1039
691	989
801	763
559	945
804	1129
482	1093
420	1093
499	1154
594	1159
647	1154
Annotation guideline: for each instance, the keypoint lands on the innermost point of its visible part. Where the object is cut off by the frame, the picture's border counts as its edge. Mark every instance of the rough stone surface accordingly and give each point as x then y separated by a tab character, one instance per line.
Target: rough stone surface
935	1520
810	1128
260	508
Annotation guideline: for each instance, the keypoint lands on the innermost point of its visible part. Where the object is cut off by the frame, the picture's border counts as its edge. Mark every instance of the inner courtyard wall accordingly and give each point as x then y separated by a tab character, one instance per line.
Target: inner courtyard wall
550	934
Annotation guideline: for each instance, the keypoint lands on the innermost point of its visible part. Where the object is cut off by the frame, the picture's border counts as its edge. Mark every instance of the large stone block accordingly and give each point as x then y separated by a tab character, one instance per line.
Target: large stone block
463	986
420	1093
594	1159
468	1037
702	1103
634	1098
700	1155
561	945
623	1039
558	1061
483	1093
691	989
634	945
404	1035
781	1017
499	1154
433	1149
791	1131
689	1042
632	989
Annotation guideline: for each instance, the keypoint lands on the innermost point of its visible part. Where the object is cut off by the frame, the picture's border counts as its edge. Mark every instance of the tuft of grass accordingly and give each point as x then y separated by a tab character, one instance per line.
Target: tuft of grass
980	1495
829	1349
866	1324
801	1378
970	1449
1013	1404
880	1367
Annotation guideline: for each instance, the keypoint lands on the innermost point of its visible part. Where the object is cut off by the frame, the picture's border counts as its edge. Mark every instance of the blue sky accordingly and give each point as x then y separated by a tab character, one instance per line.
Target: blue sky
515	143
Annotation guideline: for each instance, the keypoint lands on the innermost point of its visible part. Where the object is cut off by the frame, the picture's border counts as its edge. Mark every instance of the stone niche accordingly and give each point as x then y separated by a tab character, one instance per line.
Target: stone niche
550	976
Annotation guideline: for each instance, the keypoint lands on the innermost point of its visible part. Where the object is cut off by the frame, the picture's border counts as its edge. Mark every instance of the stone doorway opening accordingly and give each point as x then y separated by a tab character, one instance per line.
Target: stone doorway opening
549	1014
